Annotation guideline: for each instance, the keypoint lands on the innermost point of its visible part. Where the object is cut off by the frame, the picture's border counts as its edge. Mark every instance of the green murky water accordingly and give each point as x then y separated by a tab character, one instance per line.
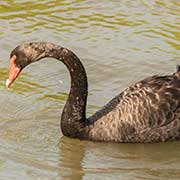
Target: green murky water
125	41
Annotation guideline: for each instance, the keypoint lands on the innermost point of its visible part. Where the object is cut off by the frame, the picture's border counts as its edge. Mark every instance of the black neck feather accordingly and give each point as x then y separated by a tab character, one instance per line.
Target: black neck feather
73	117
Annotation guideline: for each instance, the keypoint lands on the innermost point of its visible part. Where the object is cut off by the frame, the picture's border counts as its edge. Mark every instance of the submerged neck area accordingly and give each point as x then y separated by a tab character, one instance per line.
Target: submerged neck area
73	117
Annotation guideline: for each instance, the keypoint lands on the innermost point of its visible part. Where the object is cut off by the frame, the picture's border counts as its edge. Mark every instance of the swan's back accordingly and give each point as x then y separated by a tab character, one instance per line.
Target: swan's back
148	111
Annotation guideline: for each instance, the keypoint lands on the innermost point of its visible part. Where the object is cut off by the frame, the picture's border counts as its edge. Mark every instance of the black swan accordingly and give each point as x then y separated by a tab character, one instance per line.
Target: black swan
148	111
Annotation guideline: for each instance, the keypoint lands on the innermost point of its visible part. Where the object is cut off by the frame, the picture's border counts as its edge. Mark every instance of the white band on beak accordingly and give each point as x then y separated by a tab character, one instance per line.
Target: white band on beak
7	83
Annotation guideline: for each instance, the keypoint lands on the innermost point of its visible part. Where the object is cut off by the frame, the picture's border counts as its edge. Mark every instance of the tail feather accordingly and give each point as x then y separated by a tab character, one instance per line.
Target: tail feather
178	68
177	73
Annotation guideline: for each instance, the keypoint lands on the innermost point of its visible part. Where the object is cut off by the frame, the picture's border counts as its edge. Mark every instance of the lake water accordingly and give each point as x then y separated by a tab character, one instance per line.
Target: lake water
119	43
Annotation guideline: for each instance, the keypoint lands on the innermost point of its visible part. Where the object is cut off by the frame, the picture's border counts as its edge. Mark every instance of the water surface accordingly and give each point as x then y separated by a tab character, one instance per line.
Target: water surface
119	43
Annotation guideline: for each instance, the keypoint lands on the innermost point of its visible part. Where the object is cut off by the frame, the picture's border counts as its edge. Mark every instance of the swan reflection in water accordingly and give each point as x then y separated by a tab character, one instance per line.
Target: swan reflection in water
85	159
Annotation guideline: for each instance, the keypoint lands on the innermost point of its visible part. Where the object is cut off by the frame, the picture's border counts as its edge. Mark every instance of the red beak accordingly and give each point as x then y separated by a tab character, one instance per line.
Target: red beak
13	72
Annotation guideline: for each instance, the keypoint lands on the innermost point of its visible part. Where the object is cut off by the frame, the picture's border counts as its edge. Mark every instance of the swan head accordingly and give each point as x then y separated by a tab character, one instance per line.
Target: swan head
23	55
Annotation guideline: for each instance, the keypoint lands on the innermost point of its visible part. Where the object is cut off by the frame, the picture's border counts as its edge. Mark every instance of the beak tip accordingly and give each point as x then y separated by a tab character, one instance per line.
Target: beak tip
8	83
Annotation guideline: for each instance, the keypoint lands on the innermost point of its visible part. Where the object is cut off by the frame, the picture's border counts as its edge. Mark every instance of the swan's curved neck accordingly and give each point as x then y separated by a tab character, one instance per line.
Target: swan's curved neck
74	113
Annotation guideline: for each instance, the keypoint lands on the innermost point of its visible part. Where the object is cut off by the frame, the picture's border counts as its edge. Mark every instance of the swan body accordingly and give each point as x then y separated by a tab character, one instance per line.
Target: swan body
148	111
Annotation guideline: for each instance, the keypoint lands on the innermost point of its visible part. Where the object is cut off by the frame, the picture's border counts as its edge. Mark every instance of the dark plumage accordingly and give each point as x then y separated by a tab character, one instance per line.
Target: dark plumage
148	111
